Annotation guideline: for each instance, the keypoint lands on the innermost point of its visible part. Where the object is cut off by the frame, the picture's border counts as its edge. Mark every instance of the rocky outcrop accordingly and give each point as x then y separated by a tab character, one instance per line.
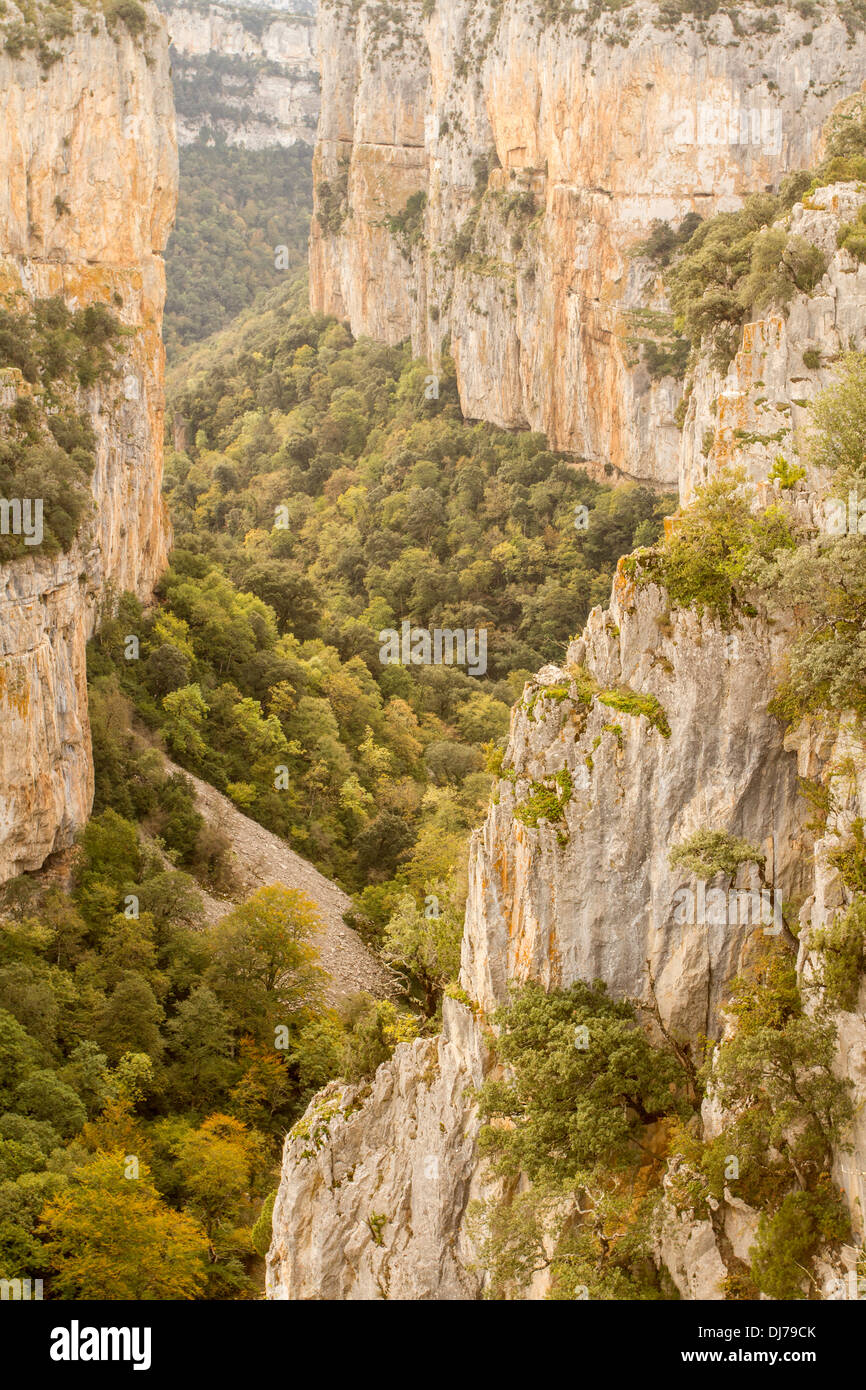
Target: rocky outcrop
759	410
377	1179
834	757
86	202
248	72
544	152
654	728
592	895
587	892
700	1253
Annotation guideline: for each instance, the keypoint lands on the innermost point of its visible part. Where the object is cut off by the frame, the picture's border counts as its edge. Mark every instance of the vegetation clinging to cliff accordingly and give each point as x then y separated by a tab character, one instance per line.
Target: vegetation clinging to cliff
712	555
785	1112
582	1089
738	262
31	25
47	445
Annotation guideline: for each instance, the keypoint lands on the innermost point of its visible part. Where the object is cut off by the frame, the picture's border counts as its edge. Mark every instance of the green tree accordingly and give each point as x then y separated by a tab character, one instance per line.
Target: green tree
110	1236
200	1047
186	709
129	1019
264	971
217	1164
425	942
581	1080
838	437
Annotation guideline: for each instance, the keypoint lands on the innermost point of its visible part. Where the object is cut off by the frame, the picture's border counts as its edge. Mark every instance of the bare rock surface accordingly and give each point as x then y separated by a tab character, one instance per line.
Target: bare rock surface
88	186
544	152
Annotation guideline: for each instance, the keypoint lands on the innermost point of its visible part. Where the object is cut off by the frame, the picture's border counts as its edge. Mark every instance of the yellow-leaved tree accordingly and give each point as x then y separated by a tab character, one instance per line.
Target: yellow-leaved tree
110	1235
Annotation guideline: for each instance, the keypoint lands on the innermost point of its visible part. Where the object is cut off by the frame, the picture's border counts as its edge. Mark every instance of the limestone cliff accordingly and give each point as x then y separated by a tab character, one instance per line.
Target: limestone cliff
657	723
87	196
657	720
485	176
245	71
654	726
376	1179
835	757
759	410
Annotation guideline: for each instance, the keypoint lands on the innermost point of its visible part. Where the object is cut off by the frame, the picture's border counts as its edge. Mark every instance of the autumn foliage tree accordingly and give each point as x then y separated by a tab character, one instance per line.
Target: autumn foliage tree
112	1236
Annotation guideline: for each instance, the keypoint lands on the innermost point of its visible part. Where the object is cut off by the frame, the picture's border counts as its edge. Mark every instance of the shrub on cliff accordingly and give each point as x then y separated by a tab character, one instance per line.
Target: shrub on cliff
837	440
581	1084
825	665
852	236
785	1114
47	445
710	852
127	12
581	1080
737	263
713	553
843	955
788	1238
664	240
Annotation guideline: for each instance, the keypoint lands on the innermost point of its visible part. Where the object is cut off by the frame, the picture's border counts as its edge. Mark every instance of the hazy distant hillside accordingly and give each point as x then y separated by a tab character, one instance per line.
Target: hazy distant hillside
236	207
248	72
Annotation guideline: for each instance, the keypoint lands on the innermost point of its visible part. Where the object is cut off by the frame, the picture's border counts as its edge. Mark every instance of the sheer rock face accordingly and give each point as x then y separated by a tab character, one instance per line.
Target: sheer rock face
544	903
698	1253
377	1179
759	409
248	71
835	756
561	144
593	895
87	196
588	895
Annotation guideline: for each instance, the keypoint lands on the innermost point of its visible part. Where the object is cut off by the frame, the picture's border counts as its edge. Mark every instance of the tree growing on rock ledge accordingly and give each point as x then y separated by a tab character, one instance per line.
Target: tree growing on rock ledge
581	1112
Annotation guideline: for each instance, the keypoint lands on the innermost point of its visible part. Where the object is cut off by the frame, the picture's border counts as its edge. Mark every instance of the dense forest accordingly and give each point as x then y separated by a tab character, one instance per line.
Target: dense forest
323	493
243	217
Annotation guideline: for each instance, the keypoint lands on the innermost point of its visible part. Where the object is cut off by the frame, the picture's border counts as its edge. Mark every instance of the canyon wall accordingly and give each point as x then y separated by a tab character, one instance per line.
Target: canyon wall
759	409
379	1179
588	894
248	72
484	177
483	183
654	727
88	185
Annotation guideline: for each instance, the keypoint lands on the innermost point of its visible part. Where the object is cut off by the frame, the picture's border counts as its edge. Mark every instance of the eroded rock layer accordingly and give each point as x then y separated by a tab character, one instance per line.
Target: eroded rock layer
248	72
87	196
484	177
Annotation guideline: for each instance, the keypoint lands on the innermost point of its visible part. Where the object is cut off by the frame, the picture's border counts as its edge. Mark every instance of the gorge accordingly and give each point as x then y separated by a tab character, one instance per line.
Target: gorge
377	967
486	182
